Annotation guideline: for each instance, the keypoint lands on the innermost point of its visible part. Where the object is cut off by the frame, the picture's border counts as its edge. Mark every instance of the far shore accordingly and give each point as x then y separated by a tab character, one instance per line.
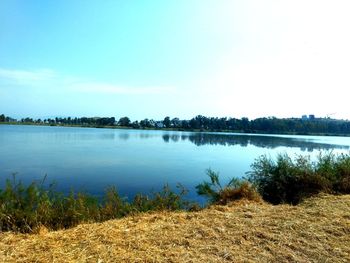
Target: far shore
172	129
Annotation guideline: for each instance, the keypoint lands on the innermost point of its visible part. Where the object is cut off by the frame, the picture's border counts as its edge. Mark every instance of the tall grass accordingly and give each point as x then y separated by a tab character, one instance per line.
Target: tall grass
27	208
234	190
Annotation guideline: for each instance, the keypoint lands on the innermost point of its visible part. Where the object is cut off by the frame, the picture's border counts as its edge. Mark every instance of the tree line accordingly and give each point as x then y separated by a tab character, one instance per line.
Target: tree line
203	123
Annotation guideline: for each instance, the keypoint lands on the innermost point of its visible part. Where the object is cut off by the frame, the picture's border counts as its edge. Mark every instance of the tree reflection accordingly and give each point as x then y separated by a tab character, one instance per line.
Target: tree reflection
262	141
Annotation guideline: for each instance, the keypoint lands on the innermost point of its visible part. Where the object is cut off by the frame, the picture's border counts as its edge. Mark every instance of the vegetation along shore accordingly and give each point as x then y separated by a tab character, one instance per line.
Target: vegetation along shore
271	125
287	210
26	208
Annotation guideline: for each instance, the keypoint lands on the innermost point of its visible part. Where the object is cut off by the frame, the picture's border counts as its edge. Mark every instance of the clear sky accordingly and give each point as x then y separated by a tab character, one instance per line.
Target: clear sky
150	59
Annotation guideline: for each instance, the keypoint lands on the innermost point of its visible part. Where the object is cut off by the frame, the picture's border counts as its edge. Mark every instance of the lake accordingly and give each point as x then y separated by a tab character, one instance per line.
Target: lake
140	161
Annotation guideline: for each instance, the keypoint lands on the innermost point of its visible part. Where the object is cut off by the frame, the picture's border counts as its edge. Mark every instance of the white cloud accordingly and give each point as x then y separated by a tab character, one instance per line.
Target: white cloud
96	87
50	80
26	77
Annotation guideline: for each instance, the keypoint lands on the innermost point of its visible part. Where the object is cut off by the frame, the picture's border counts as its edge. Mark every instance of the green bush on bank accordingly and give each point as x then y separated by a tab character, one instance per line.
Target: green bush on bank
284	180
287	180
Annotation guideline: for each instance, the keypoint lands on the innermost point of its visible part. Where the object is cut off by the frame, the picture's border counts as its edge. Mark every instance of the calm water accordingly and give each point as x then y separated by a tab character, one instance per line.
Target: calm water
139	161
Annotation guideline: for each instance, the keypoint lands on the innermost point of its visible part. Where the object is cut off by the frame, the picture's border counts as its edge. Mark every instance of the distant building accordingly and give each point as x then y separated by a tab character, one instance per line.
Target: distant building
310	117
159	124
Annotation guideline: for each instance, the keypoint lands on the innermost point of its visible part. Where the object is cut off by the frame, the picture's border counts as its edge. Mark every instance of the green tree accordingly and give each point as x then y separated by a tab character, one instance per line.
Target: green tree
145	123
124	121
175	122
167	122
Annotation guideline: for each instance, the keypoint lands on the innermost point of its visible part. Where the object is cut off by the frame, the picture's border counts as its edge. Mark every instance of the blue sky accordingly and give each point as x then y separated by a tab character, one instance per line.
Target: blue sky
150	59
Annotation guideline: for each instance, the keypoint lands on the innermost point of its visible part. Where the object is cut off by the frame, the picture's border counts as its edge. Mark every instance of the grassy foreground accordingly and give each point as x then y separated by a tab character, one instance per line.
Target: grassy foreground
317	230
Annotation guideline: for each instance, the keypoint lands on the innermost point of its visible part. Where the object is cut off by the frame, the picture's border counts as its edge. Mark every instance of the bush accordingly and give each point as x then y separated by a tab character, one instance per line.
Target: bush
290	181
236	189
342	171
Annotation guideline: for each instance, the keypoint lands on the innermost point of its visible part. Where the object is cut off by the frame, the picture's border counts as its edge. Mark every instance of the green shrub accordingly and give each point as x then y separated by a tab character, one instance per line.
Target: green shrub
288	180
342	167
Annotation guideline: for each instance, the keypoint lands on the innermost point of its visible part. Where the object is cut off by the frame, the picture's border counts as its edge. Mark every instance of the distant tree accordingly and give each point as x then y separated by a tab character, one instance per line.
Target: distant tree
85	120
124	121
152	123
203	123
176	123
167	122
185	124
111	121
27	120
105	121
135	125
51	121
145	123
195	123
245	124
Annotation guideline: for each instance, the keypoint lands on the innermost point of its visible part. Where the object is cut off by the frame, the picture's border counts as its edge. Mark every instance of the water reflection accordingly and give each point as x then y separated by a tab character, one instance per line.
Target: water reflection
172	137
261	141
124	136
138	160
166	138
73	137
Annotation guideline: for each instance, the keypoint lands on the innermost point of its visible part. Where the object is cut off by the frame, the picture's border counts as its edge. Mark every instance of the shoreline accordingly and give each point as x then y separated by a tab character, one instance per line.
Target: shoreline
176	129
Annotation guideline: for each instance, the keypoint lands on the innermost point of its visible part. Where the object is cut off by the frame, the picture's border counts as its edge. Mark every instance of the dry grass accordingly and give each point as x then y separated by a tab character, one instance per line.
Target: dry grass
317	230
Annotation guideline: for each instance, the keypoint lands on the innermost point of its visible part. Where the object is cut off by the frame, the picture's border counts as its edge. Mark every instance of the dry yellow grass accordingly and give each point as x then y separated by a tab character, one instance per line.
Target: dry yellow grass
316	231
